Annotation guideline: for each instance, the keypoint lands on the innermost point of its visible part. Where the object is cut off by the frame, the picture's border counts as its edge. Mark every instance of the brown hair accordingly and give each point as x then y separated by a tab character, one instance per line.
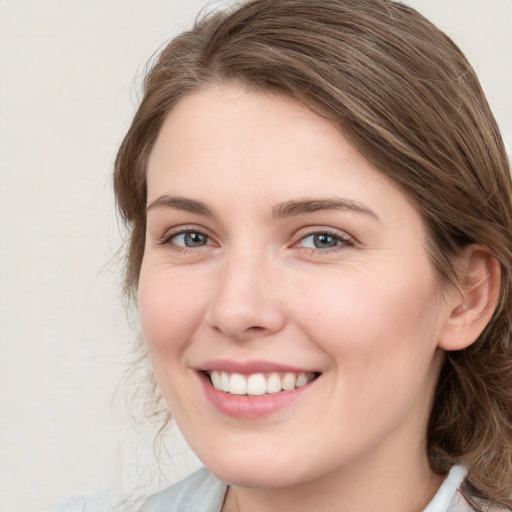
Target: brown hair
408	100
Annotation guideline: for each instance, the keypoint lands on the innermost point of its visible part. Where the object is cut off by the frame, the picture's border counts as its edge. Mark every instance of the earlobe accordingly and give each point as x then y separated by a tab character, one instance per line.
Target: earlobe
471	308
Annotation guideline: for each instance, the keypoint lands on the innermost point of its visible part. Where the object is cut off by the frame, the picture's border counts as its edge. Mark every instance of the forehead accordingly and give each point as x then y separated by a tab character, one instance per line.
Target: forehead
244	145
239	120
228	126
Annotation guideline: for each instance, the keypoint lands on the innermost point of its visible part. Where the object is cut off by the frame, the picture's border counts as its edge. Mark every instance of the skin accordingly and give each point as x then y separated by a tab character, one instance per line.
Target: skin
367	313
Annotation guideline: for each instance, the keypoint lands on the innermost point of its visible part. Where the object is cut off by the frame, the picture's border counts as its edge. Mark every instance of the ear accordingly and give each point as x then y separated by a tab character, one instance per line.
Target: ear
471	307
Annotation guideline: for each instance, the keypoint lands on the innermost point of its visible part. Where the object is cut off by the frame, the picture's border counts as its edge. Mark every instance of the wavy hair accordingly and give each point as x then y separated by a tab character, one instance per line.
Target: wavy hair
406	97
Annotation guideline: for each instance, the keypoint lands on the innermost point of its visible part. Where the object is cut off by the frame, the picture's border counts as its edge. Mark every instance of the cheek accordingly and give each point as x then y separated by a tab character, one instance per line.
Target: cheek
381	340
170	309
362	320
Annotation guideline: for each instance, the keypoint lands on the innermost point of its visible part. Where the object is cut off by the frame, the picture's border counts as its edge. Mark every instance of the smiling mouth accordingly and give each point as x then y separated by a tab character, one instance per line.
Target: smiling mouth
257	384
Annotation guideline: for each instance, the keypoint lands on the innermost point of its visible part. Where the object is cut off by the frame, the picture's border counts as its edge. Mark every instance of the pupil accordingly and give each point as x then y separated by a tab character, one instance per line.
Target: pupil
323	241
194	239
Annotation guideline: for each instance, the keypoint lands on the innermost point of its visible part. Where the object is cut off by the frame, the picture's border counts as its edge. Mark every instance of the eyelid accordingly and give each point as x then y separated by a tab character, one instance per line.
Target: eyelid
183	229
303	233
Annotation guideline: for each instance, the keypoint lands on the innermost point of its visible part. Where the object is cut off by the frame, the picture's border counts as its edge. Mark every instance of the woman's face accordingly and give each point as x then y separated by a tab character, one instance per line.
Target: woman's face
284	267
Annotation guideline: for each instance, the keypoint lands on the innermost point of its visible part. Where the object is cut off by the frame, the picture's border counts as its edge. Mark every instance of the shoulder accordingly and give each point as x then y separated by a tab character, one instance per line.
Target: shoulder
199	492
105	501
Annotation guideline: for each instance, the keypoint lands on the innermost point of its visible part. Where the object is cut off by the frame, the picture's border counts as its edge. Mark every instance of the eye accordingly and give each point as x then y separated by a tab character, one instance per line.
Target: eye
190	239
324	240
187	239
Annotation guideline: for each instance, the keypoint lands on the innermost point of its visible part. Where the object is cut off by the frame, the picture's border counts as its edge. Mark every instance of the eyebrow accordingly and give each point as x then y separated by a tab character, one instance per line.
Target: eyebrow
180	203
311	205
287	209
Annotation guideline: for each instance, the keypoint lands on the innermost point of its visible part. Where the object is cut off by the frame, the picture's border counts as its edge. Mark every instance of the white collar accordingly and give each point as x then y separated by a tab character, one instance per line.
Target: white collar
446	492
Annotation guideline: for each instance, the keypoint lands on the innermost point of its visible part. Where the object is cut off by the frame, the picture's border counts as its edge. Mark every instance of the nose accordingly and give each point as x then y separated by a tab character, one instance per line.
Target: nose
245	303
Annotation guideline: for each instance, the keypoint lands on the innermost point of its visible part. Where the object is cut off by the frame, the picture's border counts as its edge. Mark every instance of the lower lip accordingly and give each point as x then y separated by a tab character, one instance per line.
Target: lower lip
251	407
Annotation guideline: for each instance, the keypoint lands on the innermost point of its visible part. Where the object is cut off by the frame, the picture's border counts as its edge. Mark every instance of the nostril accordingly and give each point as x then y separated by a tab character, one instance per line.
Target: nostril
242	321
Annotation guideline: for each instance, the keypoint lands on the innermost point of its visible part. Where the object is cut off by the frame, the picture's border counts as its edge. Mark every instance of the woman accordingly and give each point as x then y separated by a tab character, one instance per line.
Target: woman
320	208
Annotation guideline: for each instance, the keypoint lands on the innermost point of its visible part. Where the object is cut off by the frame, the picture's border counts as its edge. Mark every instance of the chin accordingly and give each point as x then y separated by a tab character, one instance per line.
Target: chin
260	478
254	472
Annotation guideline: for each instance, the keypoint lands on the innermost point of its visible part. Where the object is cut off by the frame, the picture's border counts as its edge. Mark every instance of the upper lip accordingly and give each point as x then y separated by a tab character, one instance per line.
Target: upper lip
249	367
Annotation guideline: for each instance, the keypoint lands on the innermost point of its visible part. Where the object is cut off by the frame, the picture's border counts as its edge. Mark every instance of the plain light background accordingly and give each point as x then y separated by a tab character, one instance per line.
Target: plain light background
69	81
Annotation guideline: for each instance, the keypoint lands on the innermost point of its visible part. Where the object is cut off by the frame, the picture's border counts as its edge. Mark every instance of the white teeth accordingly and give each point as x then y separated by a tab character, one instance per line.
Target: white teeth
302	380
216	379
224	382
257	383
237	384
273	383
288	382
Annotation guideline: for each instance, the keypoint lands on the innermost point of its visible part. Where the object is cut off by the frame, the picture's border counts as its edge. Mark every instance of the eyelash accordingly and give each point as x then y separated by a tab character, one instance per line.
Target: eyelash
343	241
168	237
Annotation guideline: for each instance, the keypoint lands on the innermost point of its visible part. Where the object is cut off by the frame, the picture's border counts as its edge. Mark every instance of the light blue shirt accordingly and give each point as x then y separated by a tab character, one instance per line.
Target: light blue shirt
202	492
